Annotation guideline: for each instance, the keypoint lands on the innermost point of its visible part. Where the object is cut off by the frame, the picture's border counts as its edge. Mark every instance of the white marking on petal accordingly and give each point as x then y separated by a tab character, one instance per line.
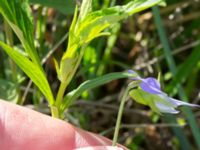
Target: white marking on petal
165	97
165	109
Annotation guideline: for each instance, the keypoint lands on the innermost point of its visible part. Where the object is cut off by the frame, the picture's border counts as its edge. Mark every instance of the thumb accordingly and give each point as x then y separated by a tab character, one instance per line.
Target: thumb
22	128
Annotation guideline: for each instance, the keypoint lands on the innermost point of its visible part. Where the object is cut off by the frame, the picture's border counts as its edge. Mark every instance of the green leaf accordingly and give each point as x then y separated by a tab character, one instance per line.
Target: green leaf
139	5
89	26
32	71
64	6
57	68
97	21
67	67
69	58
86	7
17	13
92	24
72	36
93	83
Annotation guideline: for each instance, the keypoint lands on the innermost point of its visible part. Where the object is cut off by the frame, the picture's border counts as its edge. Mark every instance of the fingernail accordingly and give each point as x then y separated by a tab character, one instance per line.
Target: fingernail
100	148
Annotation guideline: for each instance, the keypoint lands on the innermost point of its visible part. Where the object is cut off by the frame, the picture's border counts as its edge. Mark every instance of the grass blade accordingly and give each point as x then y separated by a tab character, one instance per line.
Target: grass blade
181	93
186	68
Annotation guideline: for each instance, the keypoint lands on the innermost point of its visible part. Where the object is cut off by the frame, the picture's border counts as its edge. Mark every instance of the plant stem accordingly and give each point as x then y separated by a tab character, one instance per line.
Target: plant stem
119	116
61	92
54	112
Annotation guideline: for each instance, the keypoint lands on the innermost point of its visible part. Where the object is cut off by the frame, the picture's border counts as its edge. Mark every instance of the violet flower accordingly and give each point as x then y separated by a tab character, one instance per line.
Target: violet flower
156	98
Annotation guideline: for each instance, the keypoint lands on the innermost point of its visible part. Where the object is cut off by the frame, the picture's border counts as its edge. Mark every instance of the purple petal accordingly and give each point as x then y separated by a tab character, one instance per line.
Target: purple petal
174	102
151	85
166	109
132	72
179	103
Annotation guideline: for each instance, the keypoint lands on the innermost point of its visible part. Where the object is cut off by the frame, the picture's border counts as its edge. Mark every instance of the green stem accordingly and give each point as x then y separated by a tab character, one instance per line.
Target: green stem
54	112
61	92
119	116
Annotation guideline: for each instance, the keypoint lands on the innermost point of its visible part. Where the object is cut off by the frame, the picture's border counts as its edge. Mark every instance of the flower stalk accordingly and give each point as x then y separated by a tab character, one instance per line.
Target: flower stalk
121	109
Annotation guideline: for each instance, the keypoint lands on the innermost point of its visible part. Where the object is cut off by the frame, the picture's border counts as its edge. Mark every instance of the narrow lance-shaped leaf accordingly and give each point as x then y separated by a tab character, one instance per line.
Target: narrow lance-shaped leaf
17	13
86	7
31	69
90	84
139	5
68	58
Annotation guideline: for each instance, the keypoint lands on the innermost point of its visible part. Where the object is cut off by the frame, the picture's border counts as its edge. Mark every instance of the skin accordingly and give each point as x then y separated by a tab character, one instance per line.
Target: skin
22	128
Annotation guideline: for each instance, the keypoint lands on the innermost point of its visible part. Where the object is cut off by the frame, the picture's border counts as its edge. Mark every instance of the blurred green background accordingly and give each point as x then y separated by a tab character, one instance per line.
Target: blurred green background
161	40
